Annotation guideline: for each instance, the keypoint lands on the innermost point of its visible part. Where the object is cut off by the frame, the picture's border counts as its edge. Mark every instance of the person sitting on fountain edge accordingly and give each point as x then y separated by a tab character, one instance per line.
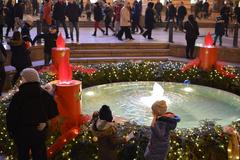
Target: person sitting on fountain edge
161	125
105	131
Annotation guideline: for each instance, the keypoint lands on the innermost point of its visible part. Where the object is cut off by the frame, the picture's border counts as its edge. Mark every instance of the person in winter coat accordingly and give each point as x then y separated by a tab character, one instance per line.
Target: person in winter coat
27	117
88	9
59	15
162	123
46	15
192	32
181	13
20	56
117	15
149	21
108	18
50	39
105	131
125	22
73	12
136	14
158	7
98	17
9	16
1	20
171	15
219	30
3	57
26	29
18	14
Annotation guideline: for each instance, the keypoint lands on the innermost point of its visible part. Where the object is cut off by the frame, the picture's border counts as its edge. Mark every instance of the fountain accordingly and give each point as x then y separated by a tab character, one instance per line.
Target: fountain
132	100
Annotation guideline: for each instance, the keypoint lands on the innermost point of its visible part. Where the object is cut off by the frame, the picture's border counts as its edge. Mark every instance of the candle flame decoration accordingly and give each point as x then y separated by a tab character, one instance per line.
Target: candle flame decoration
60	41
208	41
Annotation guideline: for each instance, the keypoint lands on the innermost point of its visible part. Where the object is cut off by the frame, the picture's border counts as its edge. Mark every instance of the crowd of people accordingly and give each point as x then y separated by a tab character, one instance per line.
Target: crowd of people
120	18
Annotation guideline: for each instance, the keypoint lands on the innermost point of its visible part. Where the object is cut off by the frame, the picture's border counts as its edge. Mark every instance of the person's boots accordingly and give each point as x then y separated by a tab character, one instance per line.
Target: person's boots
95	33
102	31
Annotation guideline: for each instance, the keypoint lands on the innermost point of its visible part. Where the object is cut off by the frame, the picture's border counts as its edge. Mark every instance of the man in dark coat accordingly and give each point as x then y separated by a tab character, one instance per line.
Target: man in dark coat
192	32
73	12
35	6
50	39
59	15
224	12
171	15
219	30
108	18
9	16
149	21
158	7
181	13
98	17
27	117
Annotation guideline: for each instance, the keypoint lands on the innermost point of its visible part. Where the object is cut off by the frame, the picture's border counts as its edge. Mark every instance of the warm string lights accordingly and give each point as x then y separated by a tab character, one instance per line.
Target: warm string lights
196	143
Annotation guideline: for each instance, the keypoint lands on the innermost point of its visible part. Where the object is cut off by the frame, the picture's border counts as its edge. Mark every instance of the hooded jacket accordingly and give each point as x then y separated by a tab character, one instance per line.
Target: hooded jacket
159	141
107	139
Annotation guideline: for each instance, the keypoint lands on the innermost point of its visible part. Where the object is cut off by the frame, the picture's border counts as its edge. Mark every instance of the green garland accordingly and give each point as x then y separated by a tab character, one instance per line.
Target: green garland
206	142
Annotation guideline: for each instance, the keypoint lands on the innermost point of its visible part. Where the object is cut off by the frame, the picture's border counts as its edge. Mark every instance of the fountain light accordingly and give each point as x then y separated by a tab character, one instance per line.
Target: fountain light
157	94
90	93
188	89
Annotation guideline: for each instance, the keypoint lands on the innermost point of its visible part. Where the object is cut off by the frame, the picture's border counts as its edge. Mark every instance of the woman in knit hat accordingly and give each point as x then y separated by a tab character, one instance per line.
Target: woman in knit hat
105	131
161	125
28	114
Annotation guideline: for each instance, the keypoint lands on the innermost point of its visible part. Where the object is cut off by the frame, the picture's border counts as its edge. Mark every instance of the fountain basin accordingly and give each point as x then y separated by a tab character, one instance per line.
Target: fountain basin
132	100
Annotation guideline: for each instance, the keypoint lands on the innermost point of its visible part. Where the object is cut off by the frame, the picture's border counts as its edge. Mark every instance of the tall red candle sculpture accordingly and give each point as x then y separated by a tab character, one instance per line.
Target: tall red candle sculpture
67	96
208	59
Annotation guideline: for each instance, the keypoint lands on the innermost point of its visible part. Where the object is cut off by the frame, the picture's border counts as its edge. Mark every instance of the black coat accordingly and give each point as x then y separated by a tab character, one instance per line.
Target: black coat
20	56
149	18
18	10
108	15
73	12
26	32
30	106
219	28
192	30
97	12
182	12
9	15
59	11
49	41
172	12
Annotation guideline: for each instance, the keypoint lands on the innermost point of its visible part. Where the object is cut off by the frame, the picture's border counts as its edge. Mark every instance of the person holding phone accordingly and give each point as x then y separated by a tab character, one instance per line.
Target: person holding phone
103	128
162	123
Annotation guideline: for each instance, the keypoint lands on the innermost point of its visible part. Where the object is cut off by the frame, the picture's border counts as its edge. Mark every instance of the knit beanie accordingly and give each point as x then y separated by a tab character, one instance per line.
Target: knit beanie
29	20
30	75
159	107
105	113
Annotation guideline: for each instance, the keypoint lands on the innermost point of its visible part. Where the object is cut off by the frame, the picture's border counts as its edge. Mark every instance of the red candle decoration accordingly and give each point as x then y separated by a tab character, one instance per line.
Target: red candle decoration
60	58
208	54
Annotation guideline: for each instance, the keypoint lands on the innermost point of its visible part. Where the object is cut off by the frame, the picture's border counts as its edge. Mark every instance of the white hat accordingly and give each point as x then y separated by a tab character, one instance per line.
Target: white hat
30	75
159	107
